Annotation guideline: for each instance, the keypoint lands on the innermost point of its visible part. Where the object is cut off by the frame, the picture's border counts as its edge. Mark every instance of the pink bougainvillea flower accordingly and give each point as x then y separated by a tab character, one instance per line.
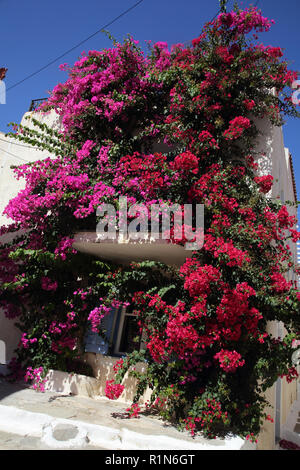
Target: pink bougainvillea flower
48	284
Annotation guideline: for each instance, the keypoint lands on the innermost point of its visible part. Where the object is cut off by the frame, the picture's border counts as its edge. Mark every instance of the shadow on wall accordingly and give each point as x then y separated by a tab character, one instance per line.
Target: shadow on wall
265	145
103	370
9	334
2	352
9	339
94	387
2	357
71	384
7	388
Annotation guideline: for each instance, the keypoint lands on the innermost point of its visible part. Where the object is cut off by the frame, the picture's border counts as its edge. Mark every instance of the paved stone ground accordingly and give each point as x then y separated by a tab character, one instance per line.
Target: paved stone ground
146	432
95	411
9	441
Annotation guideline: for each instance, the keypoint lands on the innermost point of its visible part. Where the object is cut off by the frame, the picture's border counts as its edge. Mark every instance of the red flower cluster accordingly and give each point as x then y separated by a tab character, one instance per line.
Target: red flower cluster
234	312
291	375
207	138
133	410
156	347
198	282
224	54
236	128
265	183
112	390
219	247
229	360
181	339
249	104
186	161
211	413
280	284
284	219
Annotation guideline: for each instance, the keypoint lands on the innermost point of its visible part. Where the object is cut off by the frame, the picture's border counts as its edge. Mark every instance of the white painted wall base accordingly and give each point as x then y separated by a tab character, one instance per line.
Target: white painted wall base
72	384
41	425
288	432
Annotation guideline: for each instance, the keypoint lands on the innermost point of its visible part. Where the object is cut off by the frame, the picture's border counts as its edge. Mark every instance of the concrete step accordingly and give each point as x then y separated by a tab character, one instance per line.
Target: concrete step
69	422
9	441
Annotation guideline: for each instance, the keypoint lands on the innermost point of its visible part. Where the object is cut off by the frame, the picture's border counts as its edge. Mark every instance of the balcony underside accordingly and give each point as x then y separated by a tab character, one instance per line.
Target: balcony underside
125	252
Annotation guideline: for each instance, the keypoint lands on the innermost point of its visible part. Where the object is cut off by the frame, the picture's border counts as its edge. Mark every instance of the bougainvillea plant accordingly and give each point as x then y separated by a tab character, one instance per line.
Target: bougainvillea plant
205	330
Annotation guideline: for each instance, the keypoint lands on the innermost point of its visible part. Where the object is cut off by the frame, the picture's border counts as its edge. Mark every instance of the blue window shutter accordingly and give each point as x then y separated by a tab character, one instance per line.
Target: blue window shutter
96	343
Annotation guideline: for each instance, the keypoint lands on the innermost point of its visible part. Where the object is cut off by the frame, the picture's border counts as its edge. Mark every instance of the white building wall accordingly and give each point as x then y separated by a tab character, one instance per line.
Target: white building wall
274	159
14	152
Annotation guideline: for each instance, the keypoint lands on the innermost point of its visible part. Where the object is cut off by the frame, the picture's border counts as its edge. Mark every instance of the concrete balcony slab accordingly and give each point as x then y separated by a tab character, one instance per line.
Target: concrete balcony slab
125	251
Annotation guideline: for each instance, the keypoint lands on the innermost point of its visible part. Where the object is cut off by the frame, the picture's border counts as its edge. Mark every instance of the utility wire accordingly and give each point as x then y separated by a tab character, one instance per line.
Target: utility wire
215	16
12	155
85	40
188	43
17	143
75	47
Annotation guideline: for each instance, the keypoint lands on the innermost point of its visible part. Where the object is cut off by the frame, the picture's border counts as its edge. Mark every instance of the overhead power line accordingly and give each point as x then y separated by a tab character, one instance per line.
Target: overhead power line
13	155
75	47
85	40
189	42
17	143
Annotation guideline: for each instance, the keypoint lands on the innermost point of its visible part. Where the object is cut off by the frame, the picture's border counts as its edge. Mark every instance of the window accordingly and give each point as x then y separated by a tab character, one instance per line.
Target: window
128	334
101	344
121	334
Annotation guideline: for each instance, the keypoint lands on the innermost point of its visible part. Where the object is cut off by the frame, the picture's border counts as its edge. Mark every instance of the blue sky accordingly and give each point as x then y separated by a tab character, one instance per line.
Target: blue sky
35	32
